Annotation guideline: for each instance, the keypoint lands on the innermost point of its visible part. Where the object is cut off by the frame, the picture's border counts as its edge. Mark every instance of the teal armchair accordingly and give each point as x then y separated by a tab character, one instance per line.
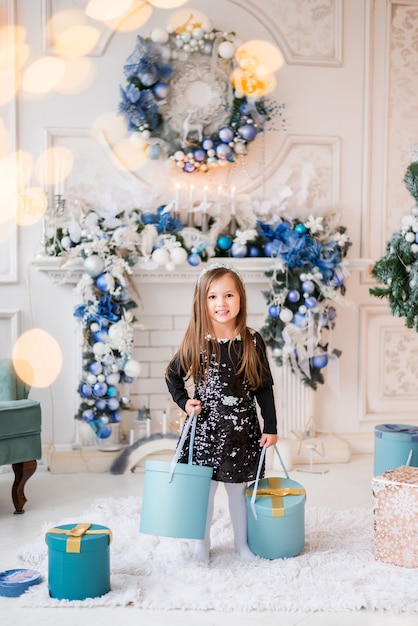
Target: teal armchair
20	431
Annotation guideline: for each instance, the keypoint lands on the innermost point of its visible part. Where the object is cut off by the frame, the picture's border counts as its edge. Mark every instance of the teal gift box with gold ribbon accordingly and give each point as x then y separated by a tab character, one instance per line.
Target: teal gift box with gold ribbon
78	561
276	518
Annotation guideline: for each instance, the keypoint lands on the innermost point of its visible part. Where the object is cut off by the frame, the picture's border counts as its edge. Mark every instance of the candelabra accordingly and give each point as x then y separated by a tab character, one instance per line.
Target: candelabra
49	230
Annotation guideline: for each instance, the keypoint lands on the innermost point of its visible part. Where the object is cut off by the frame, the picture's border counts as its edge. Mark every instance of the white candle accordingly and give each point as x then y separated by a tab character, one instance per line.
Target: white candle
131	436
205	196
191	188
148	427
164	424
233	201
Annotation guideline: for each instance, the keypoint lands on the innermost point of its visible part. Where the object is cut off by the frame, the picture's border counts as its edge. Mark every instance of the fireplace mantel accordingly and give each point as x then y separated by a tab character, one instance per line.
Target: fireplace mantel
68	272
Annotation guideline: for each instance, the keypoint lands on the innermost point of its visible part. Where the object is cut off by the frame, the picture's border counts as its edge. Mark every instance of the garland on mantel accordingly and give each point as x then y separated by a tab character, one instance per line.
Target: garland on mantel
307	260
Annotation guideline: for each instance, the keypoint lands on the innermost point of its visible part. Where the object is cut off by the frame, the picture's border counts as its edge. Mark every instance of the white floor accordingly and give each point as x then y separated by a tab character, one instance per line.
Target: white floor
55	496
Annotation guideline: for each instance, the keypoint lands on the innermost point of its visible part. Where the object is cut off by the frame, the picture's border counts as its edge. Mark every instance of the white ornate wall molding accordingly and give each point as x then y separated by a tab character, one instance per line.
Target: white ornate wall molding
388	367
9	331
309	33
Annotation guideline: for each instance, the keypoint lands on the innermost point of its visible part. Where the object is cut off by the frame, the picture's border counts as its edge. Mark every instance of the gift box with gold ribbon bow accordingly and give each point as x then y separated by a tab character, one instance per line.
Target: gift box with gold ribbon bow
276	528
78	561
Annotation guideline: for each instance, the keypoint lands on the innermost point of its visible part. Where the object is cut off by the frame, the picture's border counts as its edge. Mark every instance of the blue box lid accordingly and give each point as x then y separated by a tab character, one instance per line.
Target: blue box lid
14	582
76	538
271	503
397	432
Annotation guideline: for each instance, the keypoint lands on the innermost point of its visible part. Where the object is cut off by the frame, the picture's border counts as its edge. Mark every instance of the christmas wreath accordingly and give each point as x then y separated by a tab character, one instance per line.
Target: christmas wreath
185	98
397	270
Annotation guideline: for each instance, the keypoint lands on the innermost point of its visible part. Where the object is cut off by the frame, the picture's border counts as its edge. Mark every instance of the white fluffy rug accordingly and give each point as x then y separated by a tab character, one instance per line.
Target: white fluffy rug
336	571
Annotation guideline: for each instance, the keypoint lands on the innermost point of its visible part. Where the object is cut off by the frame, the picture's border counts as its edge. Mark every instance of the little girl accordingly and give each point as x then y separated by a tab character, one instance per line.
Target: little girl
227	362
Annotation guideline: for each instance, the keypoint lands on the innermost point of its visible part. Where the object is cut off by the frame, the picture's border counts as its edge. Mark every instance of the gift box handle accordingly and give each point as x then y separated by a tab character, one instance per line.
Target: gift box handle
190	422
257	478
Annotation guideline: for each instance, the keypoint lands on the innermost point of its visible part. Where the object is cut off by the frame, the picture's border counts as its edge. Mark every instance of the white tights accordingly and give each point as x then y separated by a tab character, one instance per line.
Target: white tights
238	513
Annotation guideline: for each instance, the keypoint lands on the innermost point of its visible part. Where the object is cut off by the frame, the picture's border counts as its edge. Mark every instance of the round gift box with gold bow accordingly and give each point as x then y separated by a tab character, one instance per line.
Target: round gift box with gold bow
276	524
395	445
78	561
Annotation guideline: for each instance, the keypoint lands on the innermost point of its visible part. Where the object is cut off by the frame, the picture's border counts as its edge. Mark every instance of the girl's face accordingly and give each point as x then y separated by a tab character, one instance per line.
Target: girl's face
223	305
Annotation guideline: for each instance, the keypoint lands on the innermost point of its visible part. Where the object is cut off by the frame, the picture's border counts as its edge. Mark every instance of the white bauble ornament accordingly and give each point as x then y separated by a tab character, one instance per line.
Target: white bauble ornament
286	315
94	327
160	256
409	237
101	378
113	379
132	368
91	379
414	248
170	266
178	256
159	35
99	348
226	50
66	242
93	265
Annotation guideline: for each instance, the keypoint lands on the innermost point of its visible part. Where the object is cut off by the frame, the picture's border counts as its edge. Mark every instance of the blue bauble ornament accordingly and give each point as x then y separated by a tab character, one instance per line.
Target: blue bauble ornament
337	280
199	155
310	302
85	390
113	404
96	368
274	311
101	335
248	132
149	218
331	313
300	229
189	167
103	432
207	144
300	320
224	242
79	311
319	361
223	151
112	391
239	250
194	260
253	251
105	282
269	248
293	295
88	415
308	286
160	90
117	416
100	404
226	134
99	389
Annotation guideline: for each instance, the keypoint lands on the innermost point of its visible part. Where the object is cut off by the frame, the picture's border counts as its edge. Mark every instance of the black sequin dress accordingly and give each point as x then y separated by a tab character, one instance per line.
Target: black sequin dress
228	431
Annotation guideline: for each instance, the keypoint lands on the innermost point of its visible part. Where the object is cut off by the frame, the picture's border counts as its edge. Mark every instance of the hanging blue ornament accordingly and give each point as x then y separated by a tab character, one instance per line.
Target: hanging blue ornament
112	391
100	404
308	286
300	229
310	302
103	432
199	155
223	151
331	313
160	90
239	250
274	311
300	320
95	368
189	167
248	132
194	260
101	335
269	248
113	404
207	144
319	361
253	251
85	390
117	416
293	295
224	242
226	134
149	218
99	389
88	415
105	282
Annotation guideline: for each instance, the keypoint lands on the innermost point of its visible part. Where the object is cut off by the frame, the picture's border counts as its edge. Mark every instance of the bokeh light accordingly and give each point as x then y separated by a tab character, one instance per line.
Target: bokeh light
104	10
130	154
167	4
31	207
259	57
179	20
136	18
37	358
43	75
54	165
251	85
113	126
79	75
76	41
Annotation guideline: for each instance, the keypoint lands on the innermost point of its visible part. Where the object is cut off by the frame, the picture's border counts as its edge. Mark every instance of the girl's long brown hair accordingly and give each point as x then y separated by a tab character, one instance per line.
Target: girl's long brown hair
199	335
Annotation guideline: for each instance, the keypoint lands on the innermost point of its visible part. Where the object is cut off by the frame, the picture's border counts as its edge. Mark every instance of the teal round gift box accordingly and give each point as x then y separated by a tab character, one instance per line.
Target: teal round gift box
78	561
276	523
176	506
395	445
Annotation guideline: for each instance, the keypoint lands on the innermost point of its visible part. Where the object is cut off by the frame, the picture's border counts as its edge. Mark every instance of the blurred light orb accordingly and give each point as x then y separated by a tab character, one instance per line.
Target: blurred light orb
37	358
